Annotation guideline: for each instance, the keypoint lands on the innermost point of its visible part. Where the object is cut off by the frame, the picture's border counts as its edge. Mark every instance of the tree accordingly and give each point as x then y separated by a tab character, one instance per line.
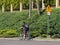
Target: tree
21	5
26	4
11	5
43	6
30	8
52	3
32	3
3	5
23	2
38	9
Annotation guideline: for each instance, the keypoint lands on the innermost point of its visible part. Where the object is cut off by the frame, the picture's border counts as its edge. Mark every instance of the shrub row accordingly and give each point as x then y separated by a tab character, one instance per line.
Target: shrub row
9	33
37	24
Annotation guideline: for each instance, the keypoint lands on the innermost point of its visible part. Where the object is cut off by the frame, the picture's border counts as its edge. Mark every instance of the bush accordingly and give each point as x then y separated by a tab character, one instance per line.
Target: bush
9	33
34	33
43	35
2	33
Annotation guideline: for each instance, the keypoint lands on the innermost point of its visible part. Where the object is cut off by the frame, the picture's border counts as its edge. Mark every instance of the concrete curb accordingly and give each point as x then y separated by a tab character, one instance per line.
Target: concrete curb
9	38
46	39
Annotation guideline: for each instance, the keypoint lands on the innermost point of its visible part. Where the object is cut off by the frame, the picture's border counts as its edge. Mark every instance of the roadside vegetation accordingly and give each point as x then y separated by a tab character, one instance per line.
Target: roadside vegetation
10	24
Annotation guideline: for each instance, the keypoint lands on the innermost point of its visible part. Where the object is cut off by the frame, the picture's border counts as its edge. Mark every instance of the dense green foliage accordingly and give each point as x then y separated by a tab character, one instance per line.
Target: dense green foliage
52	3
9	33
37	24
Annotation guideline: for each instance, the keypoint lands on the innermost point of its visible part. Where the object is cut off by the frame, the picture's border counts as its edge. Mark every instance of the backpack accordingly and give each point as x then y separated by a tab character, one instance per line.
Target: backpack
26	27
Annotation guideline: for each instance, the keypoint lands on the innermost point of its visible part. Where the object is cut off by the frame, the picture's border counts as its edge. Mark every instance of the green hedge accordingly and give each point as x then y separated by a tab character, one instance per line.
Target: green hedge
9	33
37	24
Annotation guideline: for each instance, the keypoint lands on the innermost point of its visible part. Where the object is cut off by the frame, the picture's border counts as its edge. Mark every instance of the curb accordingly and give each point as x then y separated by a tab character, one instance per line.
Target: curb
46	39
31	39
9	38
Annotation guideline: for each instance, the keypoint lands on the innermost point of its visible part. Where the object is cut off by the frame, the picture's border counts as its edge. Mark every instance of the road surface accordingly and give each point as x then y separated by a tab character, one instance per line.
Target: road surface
27	42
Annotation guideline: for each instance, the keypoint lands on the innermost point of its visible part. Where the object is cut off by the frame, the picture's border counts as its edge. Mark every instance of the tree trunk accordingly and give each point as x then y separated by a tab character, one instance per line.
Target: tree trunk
32	4
30	8
11	8
21	6
38	9
43	7
57	3
3	8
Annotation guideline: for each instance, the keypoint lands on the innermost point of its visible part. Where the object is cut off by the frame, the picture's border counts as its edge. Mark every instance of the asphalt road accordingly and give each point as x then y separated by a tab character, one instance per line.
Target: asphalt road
27	42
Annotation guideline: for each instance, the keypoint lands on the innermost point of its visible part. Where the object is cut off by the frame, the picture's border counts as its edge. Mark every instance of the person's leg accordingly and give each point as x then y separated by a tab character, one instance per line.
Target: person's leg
25	34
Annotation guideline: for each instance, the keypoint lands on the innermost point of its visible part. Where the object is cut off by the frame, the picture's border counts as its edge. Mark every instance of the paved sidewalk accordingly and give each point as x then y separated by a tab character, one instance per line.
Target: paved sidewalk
35	39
